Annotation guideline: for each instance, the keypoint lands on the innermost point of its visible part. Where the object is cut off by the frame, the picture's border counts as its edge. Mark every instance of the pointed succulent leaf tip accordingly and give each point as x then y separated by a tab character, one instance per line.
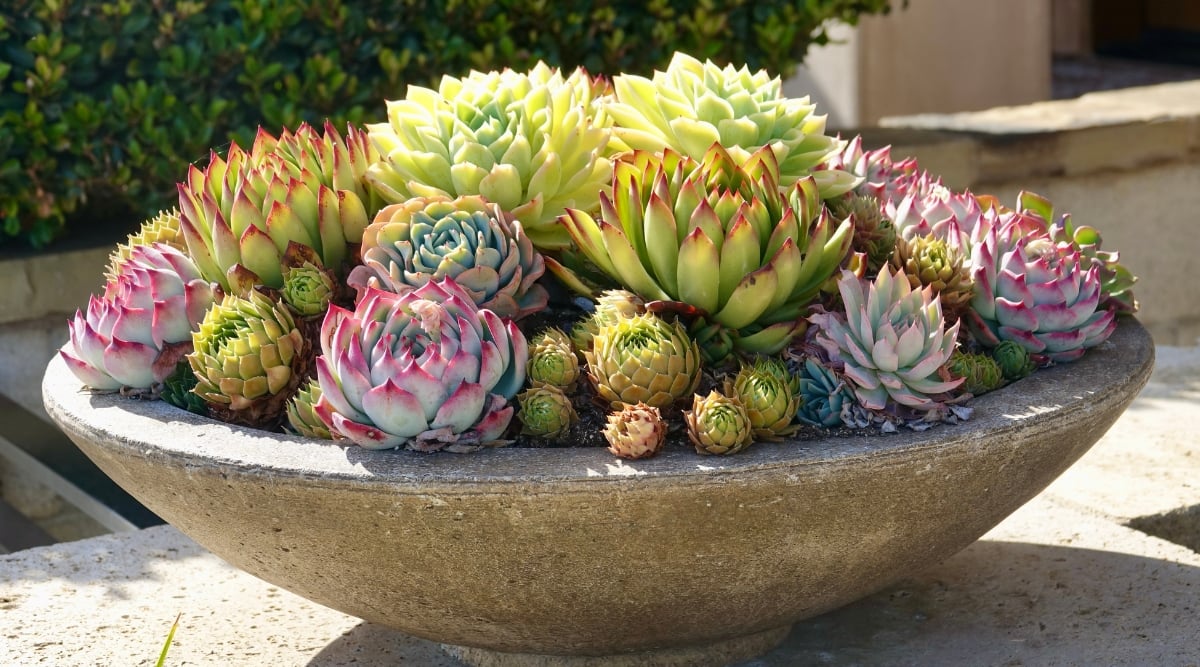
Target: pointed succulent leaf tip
643	359
1034	290
534	143
483	248
891	340
718	424
430	353
635	431
741	255
148	310
545	412
243	210
692	105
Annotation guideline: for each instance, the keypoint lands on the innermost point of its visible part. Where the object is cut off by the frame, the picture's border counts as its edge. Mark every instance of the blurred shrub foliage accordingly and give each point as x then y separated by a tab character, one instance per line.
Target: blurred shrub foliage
109	100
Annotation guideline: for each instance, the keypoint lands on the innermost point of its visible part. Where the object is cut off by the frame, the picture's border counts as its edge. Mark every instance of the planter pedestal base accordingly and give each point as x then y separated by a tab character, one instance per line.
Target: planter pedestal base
716	654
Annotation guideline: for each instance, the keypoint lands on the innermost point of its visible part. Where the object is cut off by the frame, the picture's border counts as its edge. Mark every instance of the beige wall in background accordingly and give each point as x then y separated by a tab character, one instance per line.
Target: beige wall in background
933	56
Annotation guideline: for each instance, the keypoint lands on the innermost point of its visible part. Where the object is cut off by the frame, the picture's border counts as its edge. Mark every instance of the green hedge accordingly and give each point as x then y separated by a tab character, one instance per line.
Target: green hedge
106	101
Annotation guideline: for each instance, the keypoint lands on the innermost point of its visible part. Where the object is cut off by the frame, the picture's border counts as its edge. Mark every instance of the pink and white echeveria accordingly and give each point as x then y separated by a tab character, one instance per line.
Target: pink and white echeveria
891	339
133	335
1035	291
426	369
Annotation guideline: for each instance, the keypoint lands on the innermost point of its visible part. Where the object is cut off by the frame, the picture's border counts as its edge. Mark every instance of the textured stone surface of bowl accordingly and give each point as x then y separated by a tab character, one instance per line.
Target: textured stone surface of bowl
575	552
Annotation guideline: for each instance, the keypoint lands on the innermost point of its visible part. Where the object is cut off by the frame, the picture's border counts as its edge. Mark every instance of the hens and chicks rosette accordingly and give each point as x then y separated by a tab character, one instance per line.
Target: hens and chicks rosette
739	275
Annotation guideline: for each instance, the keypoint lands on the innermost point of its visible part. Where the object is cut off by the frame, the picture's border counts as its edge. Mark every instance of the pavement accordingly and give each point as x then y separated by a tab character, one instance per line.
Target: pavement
1096	570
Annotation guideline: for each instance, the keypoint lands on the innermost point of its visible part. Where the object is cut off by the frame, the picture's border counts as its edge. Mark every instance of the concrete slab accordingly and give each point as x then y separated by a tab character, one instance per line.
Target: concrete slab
1061	582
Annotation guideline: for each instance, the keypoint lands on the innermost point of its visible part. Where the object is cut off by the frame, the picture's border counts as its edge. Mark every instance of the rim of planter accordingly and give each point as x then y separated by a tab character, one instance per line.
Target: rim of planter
1110	373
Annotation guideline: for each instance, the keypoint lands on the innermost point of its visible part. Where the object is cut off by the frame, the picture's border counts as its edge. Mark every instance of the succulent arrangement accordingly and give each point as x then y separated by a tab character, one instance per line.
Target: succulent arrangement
551	259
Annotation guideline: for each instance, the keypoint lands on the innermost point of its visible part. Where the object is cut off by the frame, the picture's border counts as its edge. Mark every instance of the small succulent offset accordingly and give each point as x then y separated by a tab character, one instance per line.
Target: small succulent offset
610	306
427	370
1014	360
718	424
891	341
770	398
532	143
823	393
162	228
468	239
980	372
249	359
545	412
635	431
308	288
932	262
133	335
693	105
552	361
301	419
643	359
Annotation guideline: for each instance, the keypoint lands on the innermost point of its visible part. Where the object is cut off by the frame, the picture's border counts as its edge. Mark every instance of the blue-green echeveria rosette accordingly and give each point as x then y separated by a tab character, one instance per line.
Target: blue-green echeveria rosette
891	340
531	142
822	394
426	370
474	242
692	105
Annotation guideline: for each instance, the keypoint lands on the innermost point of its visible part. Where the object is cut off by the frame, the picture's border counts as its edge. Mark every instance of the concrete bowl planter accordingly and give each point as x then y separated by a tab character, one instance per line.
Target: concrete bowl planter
680	559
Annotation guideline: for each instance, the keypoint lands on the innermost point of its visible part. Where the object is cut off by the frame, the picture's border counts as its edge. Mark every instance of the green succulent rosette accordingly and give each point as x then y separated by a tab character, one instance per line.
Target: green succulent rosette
545	412
719	237
718	424
162	228
980	372
552	361
301	419
822	395
532	143
239	214
308	289
249	358
1014	360
769	396
693	105
643	359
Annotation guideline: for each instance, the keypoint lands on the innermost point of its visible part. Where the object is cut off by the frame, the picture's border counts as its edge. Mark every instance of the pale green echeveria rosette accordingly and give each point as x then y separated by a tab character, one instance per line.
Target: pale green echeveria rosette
891	340
531	142
468	239
1036	291
249	358
693	105
719	237
133	335
308	289
426	370
239	214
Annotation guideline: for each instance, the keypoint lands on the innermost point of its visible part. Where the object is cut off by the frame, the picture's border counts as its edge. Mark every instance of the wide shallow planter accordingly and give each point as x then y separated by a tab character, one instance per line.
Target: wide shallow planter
572	552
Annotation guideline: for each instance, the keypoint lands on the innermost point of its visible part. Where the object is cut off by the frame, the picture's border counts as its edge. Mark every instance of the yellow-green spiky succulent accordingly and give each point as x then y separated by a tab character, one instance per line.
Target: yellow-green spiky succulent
718	424
552	361
531	142
770	396
719	236
162	228
546	412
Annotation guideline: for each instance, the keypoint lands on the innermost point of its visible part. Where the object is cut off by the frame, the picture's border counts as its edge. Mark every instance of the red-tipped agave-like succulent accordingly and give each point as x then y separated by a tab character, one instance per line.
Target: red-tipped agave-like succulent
133	335
427	370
